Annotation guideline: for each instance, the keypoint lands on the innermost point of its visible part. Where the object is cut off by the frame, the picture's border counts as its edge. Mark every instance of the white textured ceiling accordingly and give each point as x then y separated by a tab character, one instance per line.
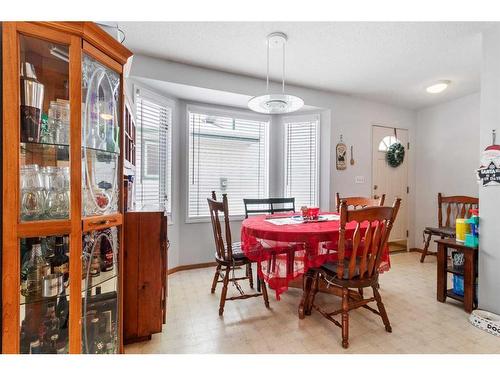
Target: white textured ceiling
382	61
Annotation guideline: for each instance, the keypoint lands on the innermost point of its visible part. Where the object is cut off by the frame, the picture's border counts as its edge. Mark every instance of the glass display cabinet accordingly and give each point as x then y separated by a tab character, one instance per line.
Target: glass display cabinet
62	200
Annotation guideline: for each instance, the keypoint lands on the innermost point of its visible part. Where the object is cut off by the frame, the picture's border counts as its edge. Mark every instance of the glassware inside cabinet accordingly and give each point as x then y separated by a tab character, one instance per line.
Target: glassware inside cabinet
100	138
44	130
100	182
101	109
44	289
100	291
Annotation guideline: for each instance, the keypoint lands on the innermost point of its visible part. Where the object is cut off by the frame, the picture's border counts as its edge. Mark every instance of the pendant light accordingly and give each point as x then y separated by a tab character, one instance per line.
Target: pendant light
276	103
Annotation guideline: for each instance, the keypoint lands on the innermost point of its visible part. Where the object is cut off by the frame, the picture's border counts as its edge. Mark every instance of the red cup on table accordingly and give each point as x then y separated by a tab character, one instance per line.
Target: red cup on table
313	213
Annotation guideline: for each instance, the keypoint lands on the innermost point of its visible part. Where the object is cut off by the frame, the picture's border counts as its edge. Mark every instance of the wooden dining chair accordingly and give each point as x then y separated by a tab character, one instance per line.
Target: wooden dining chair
358	269
269	206
229	256
359	202
454	207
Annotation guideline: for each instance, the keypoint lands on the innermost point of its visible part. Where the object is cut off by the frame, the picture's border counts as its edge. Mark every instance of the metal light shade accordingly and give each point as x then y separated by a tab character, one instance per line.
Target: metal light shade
275	103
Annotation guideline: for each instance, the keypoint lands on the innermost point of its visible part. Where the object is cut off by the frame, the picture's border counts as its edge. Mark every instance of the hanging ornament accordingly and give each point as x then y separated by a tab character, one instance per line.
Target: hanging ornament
489	171
341	155
395	153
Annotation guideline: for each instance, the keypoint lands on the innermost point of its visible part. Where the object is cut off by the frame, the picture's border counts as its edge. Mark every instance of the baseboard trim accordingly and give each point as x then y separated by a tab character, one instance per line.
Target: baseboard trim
416	250
190	267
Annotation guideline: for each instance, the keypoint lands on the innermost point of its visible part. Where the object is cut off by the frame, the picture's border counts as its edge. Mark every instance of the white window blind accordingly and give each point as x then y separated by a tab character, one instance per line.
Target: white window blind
228	153
302	160
153	174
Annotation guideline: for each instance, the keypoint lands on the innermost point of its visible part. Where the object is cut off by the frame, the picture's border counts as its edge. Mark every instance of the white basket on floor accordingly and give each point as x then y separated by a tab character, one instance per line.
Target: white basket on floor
486	321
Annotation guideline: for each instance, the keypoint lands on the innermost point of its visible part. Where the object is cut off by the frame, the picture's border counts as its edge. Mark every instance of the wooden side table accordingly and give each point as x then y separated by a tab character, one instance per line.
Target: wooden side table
469	272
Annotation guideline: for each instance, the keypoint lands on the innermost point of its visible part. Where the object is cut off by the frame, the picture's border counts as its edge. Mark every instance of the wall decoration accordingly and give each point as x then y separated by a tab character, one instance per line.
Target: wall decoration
341	155
488	173
352	155
395	153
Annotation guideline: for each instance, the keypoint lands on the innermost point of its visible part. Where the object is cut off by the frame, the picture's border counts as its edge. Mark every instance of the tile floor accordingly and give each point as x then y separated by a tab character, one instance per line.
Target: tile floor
420	324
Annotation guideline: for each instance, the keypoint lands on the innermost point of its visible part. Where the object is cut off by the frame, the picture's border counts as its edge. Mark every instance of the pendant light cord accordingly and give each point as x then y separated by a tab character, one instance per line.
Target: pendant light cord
283	72
267	73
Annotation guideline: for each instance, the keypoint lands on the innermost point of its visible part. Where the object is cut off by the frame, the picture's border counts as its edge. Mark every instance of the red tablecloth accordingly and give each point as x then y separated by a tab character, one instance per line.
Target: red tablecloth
286	252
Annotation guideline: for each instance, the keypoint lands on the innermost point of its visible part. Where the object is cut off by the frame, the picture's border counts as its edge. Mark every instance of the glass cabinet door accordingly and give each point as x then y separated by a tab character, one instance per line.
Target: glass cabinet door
100	138
44	295
100	291
44	130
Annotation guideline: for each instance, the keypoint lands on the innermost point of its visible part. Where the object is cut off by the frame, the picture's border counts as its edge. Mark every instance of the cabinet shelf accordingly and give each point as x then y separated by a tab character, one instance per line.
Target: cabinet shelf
101	279
99	150
452	295
24	301
454	271
42	144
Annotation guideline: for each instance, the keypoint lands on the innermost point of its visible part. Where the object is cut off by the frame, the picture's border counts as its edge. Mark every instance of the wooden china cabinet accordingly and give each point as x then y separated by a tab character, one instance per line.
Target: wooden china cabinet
62	191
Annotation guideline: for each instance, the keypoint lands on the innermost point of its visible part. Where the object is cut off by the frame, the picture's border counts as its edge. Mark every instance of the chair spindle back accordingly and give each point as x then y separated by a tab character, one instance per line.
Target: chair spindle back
360	202
367	243
273	205
455	207
222	233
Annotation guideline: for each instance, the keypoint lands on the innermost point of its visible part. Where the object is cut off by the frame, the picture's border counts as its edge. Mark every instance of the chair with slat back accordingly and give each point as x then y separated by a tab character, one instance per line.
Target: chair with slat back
453	207
229	255
360	202
274	205
359	268
269	206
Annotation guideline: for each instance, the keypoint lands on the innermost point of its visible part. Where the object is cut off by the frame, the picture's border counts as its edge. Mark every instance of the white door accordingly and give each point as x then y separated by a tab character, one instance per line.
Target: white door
391	181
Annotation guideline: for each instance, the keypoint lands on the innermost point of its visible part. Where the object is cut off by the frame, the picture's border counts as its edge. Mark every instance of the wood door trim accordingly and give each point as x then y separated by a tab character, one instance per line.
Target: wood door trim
40	31
11	255
43	228
102	58
75	302
94	34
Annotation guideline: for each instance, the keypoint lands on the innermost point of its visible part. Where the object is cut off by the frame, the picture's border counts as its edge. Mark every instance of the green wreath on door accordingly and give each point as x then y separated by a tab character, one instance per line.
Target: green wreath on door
395	155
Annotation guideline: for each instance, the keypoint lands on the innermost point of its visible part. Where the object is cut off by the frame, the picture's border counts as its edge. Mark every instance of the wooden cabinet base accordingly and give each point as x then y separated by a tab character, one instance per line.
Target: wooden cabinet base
145	275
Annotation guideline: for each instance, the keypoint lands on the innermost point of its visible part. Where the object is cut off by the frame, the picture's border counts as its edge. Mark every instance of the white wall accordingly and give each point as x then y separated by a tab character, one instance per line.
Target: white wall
353	117
447	141
489	197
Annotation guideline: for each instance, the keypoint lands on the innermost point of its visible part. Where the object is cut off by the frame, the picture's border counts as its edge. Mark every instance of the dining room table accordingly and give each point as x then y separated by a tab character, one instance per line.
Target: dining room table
286	246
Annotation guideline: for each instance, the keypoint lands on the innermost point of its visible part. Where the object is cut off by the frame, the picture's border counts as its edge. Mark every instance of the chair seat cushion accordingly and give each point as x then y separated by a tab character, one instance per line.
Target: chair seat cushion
238	254
330	268
444	231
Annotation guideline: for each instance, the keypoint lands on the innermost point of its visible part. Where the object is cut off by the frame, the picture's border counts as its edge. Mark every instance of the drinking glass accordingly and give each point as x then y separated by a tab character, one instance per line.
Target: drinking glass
57	204
32	194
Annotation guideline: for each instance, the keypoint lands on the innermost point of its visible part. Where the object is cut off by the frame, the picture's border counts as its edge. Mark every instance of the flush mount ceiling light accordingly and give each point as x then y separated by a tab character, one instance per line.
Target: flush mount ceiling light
276	103
438	87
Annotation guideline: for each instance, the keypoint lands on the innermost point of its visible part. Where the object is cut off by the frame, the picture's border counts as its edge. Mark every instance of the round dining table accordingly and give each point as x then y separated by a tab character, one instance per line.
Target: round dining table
286	247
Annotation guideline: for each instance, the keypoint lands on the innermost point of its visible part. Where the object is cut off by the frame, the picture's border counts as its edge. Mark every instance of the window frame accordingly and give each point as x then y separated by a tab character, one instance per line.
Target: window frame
214	110
303	118
159	99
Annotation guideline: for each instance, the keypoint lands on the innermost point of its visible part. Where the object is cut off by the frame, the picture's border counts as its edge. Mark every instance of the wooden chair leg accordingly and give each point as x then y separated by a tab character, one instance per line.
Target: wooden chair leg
263	286
381	309
426	247
307	290
345	318
314	291
216	278
360	291
224	291
250	275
